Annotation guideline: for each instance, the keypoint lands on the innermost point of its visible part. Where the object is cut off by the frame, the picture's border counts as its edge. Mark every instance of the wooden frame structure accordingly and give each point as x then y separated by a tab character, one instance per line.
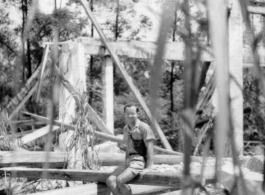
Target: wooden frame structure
134	49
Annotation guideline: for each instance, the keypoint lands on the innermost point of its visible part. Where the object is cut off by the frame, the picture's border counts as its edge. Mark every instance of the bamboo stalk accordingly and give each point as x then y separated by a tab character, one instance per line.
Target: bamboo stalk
219	36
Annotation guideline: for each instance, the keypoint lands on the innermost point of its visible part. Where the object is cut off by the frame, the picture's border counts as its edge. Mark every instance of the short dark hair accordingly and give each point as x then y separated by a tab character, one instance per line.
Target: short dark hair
131	105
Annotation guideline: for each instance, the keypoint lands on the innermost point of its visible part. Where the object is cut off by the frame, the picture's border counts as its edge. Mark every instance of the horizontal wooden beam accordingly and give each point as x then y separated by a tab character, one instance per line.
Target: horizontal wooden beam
35	159
102	189
58	159
147	50
256	10
137	49
151	178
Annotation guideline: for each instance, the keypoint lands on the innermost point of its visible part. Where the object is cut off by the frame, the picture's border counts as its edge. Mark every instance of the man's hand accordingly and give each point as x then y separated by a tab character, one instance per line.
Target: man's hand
143	172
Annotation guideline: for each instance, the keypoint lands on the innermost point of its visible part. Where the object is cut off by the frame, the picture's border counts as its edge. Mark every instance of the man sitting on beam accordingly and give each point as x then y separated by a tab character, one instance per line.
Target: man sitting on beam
139	138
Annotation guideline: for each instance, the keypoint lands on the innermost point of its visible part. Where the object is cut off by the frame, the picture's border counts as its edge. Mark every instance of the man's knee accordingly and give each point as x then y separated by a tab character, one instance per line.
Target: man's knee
119	182
111	181
124	188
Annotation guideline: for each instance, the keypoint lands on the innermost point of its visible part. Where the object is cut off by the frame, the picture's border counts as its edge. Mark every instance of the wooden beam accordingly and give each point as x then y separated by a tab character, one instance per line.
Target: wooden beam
108	93
26	92
87	189
177	192
26	122
102	189
28	158
23	101
146	50
59	158
27	88
151	178
37	134
127	78
256	10
138	49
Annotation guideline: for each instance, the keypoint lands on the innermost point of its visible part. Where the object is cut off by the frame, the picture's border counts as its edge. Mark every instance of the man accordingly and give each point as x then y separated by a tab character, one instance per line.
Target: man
138	138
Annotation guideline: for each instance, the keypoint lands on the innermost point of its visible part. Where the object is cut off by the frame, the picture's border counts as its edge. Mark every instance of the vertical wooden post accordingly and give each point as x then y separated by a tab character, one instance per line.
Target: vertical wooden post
66	103
236	71
108	93
72	65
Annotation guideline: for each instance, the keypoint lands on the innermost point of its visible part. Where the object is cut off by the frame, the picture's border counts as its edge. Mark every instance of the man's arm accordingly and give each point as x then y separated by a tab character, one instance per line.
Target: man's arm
149	154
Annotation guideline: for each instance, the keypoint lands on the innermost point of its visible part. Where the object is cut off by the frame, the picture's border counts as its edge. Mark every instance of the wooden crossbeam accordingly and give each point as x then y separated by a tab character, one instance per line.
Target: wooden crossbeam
102	189
36	159
37	134
151	178
147	50
25	93
256	10
138	49
58	159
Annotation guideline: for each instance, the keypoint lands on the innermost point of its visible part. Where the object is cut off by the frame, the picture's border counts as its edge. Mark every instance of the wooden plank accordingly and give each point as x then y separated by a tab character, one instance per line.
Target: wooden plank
108	93
117	159
127	78
138	49
102	189
146	50
37	134
256	10
88	189
23	101
105	159
151	178
20	158
24	91
26	122
177	192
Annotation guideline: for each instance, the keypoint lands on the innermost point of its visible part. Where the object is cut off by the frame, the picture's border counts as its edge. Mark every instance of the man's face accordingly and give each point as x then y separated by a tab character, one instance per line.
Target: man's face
131	115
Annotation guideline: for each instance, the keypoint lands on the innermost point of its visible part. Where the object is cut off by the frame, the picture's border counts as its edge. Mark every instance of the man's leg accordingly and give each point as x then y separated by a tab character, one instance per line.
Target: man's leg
122	179
111	181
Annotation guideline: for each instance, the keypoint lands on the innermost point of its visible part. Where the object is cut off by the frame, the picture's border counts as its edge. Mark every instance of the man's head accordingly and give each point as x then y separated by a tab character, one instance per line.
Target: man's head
131	112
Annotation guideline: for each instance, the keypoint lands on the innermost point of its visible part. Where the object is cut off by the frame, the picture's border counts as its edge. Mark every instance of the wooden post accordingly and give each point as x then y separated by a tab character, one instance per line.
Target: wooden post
108	93
72	66
66	102
236	71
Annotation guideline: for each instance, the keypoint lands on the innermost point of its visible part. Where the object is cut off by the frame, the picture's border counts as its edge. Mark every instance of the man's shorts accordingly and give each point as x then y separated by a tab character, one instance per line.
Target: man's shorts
134	163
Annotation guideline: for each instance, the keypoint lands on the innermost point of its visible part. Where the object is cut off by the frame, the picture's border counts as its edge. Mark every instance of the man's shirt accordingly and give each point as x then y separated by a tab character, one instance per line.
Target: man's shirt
140	131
